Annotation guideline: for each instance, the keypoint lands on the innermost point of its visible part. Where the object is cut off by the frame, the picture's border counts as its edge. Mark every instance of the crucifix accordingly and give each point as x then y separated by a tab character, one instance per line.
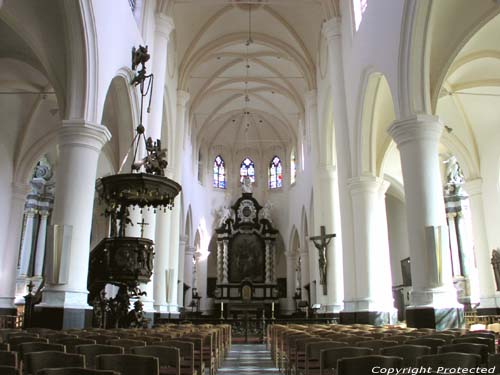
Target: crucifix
142	223
321	242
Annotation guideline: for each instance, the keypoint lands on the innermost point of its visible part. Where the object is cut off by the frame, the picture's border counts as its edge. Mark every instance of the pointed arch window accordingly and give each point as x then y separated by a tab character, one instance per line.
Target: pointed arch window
247	168
275	173
219	173
293	167
359	7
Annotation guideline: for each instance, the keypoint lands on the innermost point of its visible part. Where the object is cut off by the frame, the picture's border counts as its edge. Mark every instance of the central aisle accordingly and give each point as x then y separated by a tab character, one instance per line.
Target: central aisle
248	359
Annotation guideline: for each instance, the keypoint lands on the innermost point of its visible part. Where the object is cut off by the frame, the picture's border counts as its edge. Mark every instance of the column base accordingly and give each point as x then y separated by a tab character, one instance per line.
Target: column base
64	299
61	318
333	308
7	304
376	318
438	318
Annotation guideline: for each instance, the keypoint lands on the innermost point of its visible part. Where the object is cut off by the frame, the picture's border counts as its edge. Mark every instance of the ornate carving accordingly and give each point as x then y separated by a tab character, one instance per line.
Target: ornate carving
495	262
247	212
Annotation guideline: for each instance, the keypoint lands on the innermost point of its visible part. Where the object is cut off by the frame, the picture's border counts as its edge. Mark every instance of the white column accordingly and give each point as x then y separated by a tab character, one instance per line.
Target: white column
40	244
304	270
188	272
9	251
332	32
173	261
149	231
79	146
489	297
161	263
371	247
27	245
418	141
180	266
291	262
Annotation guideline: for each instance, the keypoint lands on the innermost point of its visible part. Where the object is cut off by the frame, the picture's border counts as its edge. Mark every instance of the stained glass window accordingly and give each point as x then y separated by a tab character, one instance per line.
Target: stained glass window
293	167
275	173
219	173
247	168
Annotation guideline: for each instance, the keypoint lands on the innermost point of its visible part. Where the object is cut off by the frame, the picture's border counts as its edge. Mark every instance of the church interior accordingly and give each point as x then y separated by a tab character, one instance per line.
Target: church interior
250	165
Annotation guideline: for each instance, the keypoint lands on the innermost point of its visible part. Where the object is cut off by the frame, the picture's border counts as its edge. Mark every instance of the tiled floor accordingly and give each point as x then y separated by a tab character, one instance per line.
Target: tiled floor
252	359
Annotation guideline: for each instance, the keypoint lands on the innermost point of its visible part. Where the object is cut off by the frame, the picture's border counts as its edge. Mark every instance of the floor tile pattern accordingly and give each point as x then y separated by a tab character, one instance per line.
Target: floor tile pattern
252	359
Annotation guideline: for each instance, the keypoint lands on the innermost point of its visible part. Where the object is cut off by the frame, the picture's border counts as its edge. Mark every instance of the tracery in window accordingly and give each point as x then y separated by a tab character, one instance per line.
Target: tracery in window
247	168
275	173
219	173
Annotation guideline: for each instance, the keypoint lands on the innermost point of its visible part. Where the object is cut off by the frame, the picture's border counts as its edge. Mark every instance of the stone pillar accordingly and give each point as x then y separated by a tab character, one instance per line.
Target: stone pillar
27	245
173	305
373	302
149	232
269	262
161	262
188	273
304	270
9	251
291	262
489	297
64	301
40	244
180	266
225	260
345	237
433	296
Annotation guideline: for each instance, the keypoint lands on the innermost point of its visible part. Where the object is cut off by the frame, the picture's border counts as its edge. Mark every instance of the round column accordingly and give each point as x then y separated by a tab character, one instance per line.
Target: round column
433	292
9	251
27	245
180	265
188	273
79	146
161	262
371	251
40	244
291	262
304	270
173	305
489	298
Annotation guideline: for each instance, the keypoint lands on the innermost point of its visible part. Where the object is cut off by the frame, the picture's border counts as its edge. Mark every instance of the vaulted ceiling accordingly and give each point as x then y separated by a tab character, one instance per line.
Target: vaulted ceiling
247	68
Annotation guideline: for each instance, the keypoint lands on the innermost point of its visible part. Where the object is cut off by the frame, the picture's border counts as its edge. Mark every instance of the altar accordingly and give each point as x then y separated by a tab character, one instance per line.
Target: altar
246	257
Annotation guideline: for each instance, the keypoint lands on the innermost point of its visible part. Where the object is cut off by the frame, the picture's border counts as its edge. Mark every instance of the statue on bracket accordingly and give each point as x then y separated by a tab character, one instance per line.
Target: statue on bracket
246	185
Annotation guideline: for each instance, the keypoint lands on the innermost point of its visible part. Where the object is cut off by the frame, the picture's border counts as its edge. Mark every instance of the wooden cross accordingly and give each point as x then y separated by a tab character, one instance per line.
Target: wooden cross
142	223
321	242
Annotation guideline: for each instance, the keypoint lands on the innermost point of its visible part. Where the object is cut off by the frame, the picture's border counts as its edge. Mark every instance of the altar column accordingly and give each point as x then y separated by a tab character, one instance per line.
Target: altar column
40	244
433	298
489	297
373	302
9	252
64	303
291	263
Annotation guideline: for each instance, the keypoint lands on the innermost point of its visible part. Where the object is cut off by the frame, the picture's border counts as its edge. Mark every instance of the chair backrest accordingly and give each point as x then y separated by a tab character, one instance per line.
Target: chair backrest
169	357
32	347
16	341
75	371
409	353
442	336
34	362
366	364
4	347
313	349
477	340
91	351
102	339
71	343
494	361
434	344
129	364
55	337
126	344
9	370
450	360
328	357
467	347
376	345
8	359
401	339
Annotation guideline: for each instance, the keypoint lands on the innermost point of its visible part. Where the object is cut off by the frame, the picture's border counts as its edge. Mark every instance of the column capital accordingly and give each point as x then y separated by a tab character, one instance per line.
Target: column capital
311	98
328	171
474	187
182	97
80	133
367	183
164	25
183	238
418	127
332	28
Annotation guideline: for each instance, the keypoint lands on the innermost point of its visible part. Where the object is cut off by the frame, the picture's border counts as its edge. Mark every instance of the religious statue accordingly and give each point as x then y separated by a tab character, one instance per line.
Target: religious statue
495	263
321	242
154	162
454	176
139	56
246	185
265	212
226	213
136	317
